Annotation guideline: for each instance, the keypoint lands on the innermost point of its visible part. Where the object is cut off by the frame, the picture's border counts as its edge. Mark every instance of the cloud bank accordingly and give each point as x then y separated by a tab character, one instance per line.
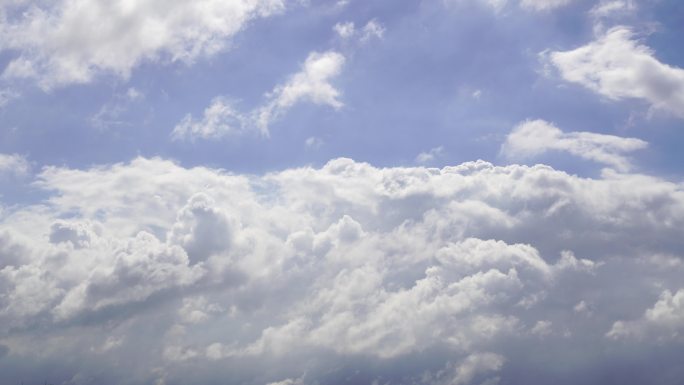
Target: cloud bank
167	274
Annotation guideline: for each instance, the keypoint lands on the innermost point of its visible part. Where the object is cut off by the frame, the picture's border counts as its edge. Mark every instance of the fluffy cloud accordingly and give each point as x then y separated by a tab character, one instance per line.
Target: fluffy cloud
535	137
618	67
173	273
72	41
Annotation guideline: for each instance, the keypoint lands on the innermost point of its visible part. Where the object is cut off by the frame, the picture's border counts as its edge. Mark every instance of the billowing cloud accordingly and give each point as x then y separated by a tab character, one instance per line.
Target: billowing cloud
619	67
535	137
72	41
176	274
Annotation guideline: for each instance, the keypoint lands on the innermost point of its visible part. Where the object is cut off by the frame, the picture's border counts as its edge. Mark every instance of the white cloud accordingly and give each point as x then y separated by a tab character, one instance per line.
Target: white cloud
477	94
542	328
372	29
6	96
328	265
475	364
13	164
608	8
73	41
311	84
313	142
543	5
219	119
618	67
582	307
430	156
345	30
496	5
197	310
289	381
110	114
535	137
664	321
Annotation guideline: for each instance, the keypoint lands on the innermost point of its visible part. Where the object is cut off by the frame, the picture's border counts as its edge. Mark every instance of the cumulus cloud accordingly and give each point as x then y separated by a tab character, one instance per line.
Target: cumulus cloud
73	41
535	137
176	274
663	321
617	66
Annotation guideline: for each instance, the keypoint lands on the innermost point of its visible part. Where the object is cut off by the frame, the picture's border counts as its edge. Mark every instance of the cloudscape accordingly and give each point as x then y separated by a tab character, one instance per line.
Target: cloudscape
312	192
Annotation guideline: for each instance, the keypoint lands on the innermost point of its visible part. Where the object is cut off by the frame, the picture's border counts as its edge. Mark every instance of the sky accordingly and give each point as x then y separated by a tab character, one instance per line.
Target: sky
309	192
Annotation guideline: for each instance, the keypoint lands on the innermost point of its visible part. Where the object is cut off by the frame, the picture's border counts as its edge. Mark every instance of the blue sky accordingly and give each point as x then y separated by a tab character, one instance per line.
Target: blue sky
404	93
279	183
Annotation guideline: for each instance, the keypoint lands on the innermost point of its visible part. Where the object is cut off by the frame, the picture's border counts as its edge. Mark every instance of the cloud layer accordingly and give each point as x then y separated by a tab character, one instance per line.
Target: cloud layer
173	274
